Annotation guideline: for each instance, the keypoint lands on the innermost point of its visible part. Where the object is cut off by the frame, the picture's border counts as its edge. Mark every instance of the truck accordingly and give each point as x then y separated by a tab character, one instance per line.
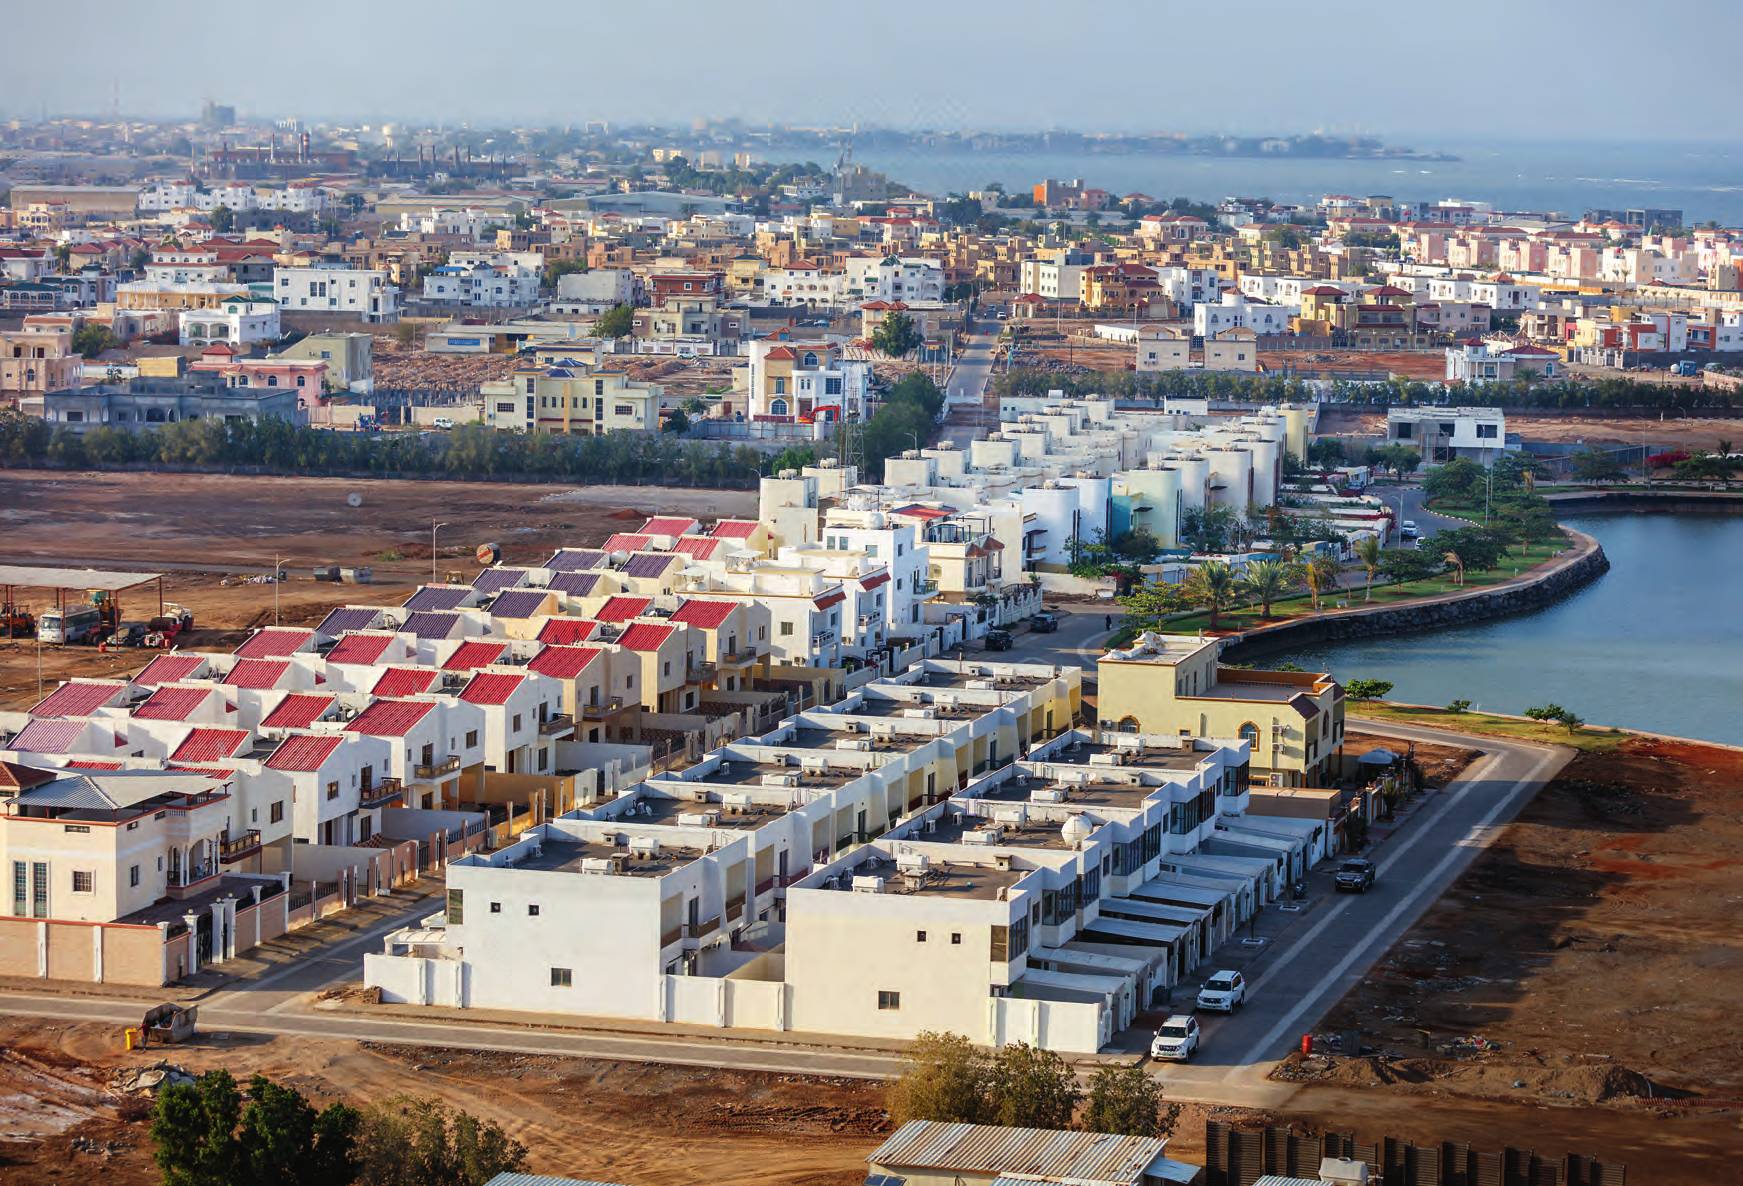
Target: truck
1685	368
75	623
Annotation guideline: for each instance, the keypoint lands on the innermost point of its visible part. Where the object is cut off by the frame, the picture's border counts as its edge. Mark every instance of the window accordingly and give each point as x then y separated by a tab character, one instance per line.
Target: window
1487	431
471	737
496	907
532	910
956	938
276	815
888	999
919	936
456	907
133	875
562	977
786	629
517	721
332	790
82	881
78	827
777	407
38	889
1249	733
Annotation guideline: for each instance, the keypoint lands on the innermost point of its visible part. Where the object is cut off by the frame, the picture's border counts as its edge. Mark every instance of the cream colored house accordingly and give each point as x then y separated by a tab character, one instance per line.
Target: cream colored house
1172	684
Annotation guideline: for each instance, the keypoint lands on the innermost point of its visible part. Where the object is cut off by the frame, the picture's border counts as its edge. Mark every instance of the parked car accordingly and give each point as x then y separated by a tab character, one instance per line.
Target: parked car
1044	622
442	422
1408	529
1224	992
1356	875
998	640
1176	1038
128	634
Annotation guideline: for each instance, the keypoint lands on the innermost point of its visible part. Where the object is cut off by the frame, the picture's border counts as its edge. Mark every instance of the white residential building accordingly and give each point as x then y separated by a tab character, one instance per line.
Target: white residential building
240	321
360	292
893	278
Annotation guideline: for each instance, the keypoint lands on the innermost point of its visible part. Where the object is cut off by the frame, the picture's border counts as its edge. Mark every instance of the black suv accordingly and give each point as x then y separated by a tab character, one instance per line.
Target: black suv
998	640
1044	623
1356	875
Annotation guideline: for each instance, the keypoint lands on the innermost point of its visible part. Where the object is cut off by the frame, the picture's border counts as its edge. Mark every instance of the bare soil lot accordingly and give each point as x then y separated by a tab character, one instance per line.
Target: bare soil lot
1588	961
630	1122
1691	432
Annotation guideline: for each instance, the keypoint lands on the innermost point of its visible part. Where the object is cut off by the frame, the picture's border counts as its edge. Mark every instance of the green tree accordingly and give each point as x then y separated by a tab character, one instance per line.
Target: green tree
1596	465
1128	1101
616	322
1028	1087
1267	580
421	1142
1546	712
1213	585
1409	564
223	219
1320	573
1458	706
944	1078
1368	689
1207	529
91	339
194	1128
559	268
896	335
283	1141
1147	605
1458	480
677	421
1368	556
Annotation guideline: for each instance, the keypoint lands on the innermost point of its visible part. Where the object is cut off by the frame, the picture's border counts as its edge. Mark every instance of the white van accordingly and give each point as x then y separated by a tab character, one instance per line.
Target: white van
443	422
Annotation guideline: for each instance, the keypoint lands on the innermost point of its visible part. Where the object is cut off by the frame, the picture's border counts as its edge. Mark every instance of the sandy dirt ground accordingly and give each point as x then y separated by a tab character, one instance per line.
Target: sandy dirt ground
203	525
1589	963
1692	432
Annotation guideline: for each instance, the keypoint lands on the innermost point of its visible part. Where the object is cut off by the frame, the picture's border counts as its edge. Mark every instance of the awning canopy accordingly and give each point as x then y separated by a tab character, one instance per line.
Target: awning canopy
33	577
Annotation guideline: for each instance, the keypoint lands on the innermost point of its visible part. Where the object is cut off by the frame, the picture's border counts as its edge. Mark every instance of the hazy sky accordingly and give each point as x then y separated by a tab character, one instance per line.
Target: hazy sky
1416	73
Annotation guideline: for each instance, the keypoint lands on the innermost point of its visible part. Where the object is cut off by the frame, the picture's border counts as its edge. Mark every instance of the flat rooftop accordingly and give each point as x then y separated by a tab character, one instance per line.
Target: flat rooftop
1150	757
1102	793
943	879
566	854
738	772
658	809
1034	833
810	737
878	706
970	678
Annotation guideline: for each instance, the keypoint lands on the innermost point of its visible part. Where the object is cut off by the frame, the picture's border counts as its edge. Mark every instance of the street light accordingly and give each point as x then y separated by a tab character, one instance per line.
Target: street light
433	528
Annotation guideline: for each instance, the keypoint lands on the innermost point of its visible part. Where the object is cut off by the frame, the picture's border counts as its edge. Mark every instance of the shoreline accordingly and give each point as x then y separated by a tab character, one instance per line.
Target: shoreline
1565	575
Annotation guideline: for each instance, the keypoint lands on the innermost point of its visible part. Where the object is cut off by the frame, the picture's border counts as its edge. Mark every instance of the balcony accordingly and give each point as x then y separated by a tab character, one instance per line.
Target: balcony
560	722
235	848
740	656
699	673
436	769
925	588
380	793
599	712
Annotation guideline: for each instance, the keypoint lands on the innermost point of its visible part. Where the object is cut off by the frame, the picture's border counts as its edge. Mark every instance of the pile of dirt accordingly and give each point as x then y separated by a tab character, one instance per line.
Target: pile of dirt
1585	1083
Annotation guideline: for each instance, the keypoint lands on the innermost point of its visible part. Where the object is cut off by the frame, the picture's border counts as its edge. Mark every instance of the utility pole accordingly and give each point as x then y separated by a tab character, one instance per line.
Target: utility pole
433	528
277	569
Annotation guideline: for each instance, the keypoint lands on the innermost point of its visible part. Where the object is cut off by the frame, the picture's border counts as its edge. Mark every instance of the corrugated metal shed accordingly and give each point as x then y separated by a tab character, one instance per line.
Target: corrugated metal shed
33	577
114	791
1086	1157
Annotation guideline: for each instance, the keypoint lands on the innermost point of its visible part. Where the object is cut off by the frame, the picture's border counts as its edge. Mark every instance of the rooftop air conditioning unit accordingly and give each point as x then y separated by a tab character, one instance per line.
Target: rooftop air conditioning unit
928	713
1115	758
1018	815
596	865
989	834
736	798
780	780
854	743
699	819
981	685
913	862
883	730
1048	795
644	848
868	885
944	701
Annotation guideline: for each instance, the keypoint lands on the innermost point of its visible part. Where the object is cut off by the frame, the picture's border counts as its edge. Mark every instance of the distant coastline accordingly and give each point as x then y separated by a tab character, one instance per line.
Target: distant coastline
1300	147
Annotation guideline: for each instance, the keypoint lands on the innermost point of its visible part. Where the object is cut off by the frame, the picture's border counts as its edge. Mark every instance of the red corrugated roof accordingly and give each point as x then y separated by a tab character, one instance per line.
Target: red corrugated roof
362	649
472	654
734	529
404	681
825	600
172	704
48	736
869	583
564	631
621	609
644	636
257	673
563	662
77	698
698	547
274	642
704	613
667	525
167	669
390	718
304	752
297	711
490	687
210	745
626	542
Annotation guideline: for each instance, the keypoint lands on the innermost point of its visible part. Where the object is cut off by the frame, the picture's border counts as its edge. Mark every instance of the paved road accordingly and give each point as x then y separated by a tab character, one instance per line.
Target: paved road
968	382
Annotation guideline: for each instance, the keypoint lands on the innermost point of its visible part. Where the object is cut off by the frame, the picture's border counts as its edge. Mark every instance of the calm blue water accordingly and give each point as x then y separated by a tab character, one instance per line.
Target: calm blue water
1656	643
1703	180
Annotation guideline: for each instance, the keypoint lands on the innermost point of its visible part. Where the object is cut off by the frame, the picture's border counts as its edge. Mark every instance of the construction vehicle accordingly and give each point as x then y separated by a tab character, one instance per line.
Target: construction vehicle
108	611
16	621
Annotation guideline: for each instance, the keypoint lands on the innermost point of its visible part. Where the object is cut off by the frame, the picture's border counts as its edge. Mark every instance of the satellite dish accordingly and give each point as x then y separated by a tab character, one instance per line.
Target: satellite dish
354	499
488	554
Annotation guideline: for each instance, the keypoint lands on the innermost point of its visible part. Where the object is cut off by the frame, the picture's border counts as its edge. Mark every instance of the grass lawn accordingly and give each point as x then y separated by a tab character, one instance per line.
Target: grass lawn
1300	605
1490	725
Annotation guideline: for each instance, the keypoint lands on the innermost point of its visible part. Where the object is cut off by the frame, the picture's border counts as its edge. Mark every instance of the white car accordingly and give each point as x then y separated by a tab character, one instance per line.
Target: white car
443	422
1224	992
1176	1038
1408	529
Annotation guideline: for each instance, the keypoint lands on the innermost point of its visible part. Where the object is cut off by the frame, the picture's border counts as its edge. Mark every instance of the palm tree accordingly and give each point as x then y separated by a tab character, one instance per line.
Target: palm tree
1266	581
1368	552
1458	567
1320	573
1213	586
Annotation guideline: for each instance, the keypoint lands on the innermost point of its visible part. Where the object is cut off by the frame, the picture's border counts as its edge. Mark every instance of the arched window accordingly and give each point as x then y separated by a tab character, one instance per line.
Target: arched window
1249	733
810	359
1128	724
777	407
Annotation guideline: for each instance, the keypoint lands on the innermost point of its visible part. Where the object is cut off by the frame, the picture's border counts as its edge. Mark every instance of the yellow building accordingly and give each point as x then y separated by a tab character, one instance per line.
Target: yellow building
1172	684
588	400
